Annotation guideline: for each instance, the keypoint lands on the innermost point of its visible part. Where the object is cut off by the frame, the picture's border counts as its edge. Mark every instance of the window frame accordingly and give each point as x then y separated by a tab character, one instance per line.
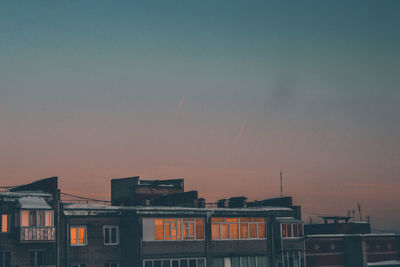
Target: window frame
4	252
110	226
175	259
247	222
299	226
36	216
179	229
8	219
77	236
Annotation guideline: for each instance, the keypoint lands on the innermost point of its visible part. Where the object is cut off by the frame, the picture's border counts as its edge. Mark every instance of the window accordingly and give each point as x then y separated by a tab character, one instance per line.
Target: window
111	264
111	235
78	265
37	218
5	259
185	262
4	223
293	259
179	229
237	228
291	229
78	235
37	258
242	261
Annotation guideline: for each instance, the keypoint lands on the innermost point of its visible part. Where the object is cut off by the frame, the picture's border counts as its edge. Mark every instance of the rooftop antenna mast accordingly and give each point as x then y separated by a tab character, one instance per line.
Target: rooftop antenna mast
281	184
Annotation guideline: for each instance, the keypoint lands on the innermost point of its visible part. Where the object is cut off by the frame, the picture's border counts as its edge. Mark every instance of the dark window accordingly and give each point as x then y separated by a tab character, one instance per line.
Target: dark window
111	233
36	258
175	263
5	259
157	263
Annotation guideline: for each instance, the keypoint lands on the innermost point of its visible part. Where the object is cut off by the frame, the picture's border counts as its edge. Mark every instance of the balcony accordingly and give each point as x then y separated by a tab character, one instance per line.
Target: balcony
37	234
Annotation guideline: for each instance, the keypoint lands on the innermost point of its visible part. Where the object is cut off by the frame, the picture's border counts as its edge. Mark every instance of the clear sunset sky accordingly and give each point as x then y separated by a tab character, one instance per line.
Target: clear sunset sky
222	93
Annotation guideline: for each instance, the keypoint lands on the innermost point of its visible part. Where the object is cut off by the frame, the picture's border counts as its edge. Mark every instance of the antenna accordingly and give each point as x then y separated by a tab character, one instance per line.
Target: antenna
359	211
281	185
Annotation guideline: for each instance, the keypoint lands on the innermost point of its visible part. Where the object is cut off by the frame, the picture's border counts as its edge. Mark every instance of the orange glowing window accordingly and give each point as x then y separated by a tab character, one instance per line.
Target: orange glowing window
245	220
253	230
244	230
234	231
258	219
231	219
4	223
78	235
199	229
159	229
215	231
261	230
217	220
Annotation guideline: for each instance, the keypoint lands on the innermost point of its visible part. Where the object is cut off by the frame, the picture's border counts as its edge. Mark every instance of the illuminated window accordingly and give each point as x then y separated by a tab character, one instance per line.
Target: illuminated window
111	235
78	235
5	259
4	223
237	228
179	229
37	218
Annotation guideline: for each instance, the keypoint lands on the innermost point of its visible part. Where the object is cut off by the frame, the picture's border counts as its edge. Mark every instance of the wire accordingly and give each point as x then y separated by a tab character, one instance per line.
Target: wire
86	198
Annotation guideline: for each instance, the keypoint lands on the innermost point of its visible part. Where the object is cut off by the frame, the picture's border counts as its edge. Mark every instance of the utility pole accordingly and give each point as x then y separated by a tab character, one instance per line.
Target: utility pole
281	185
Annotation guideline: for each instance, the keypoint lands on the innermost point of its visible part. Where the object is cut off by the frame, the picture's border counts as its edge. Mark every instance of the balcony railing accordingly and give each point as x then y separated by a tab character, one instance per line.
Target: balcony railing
30	234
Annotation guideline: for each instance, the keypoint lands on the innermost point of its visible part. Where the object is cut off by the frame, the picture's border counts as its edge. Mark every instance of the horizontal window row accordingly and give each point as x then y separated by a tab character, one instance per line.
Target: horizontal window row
35	218
78	235
105	264
179	229
243	261
238	228
292	230
185	262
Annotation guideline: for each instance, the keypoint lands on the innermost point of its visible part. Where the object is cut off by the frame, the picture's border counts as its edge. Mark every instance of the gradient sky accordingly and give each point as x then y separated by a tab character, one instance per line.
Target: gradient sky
222	93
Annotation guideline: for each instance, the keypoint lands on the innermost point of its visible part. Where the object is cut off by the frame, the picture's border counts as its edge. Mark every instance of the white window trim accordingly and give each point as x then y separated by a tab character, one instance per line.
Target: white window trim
291	227
104	235
77	237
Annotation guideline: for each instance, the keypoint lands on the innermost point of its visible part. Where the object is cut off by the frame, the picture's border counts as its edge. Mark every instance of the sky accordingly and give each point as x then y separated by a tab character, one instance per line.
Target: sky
224	94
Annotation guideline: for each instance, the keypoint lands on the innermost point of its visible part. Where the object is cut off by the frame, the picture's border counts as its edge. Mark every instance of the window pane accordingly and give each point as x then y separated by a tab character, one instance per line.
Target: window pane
224	231
192	263
235	261
178	229
262	261
217	219
49	218
244	231
283	229
245	261
300	229
157	263
253	230
32	218
215	231
175	263
289	230
113	235
73	236
106	235
81	235
252	261
40	217
4	223
159	231
166	263
231	219
148	264
261	230
199	228
200	263
24	218
295	227
218	262
183	263
234	230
